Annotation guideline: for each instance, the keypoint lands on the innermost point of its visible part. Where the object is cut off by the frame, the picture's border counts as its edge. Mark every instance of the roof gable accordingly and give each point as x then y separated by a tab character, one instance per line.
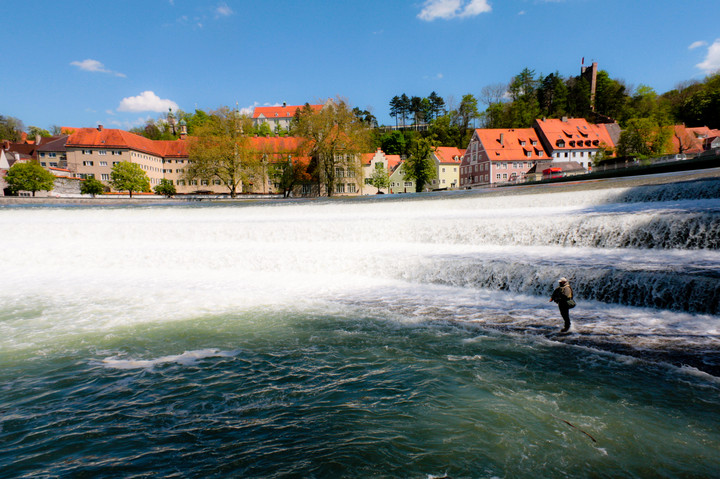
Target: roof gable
510	144
573	134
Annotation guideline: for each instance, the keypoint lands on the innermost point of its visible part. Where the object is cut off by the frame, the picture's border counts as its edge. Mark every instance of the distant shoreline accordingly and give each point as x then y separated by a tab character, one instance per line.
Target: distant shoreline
522	189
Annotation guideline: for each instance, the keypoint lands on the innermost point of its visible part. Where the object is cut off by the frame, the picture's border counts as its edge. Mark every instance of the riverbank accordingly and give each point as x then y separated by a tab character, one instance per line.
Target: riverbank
559	187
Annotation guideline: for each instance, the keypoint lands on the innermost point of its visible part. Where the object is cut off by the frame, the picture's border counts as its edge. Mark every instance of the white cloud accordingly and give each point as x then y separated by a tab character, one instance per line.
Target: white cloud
697	44
90	65
521	12
712	60
146	101
223	10
448	9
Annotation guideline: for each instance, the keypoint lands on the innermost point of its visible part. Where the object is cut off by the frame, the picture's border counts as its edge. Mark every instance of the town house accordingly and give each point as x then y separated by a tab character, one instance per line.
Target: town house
500	155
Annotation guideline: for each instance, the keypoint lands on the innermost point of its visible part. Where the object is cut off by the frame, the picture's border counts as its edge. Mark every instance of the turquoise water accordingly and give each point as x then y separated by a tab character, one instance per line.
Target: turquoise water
391	338
307	395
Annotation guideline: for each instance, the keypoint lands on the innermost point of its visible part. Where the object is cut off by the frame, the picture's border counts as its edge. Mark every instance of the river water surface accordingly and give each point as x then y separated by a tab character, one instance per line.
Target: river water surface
397	337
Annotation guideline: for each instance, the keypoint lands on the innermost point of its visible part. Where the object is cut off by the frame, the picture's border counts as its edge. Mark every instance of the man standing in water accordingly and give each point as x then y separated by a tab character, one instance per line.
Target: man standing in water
563	297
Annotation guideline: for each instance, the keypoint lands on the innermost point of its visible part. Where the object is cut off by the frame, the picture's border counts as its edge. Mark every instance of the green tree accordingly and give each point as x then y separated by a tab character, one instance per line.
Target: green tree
404	107
29	176
263	129
10	128
552	96
644	138
380	178
419	166
395	108
393	143
287	174
127	176
34	131
221	149
166	188
467	111
610	96
437	105
702	108
333	137
92	186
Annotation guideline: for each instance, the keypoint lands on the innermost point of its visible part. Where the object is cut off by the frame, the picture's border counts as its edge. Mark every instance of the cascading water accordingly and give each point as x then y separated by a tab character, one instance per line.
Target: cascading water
393	337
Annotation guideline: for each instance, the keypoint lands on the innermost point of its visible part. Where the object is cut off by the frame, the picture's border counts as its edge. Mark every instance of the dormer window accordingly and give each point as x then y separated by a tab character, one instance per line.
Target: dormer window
572	142
560	143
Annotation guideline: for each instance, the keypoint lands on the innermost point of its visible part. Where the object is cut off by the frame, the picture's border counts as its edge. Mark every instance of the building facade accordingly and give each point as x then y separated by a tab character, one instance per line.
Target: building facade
377	161
278	117
499	155
447	161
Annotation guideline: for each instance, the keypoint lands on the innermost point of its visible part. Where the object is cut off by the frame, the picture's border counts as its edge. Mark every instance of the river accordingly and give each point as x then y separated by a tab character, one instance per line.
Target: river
404	336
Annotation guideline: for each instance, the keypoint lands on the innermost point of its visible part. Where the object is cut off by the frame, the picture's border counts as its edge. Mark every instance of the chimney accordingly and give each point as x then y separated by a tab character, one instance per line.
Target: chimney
284	104
37	139
502	139
100	127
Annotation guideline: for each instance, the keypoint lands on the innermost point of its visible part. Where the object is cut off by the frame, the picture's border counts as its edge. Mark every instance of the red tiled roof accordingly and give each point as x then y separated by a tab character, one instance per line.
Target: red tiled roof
574	134
449	154
121	139
280	111
511	144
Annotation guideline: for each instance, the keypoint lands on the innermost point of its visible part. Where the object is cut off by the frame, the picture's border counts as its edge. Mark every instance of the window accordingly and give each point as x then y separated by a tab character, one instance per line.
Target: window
306	189
351	187
87	163
115	163
103	163
528	154
42	163
204	182
340	188
379	166
105	176
497	177
42	155
367	181
504	176
339	172
102	152
87	152
408	183
181	182
216	182
443	170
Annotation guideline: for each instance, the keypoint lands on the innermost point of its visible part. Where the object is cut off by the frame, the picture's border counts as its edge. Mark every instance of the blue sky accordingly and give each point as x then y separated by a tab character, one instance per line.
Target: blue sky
118	63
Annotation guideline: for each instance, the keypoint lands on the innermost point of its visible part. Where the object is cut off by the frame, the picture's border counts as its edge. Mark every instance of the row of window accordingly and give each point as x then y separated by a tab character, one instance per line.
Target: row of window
342	173
345	188
102	152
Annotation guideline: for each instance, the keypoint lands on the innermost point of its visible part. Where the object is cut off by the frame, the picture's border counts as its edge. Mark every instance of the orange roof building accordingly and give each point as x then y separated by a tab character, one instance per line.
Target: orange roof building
447	164
278	117
500	155
377	160
573	139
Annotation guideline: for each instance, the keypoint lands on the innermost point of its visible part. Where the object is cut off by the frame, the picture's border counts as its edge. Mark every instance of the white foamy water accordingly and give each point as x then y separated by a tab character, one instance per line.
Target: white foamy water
643	271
